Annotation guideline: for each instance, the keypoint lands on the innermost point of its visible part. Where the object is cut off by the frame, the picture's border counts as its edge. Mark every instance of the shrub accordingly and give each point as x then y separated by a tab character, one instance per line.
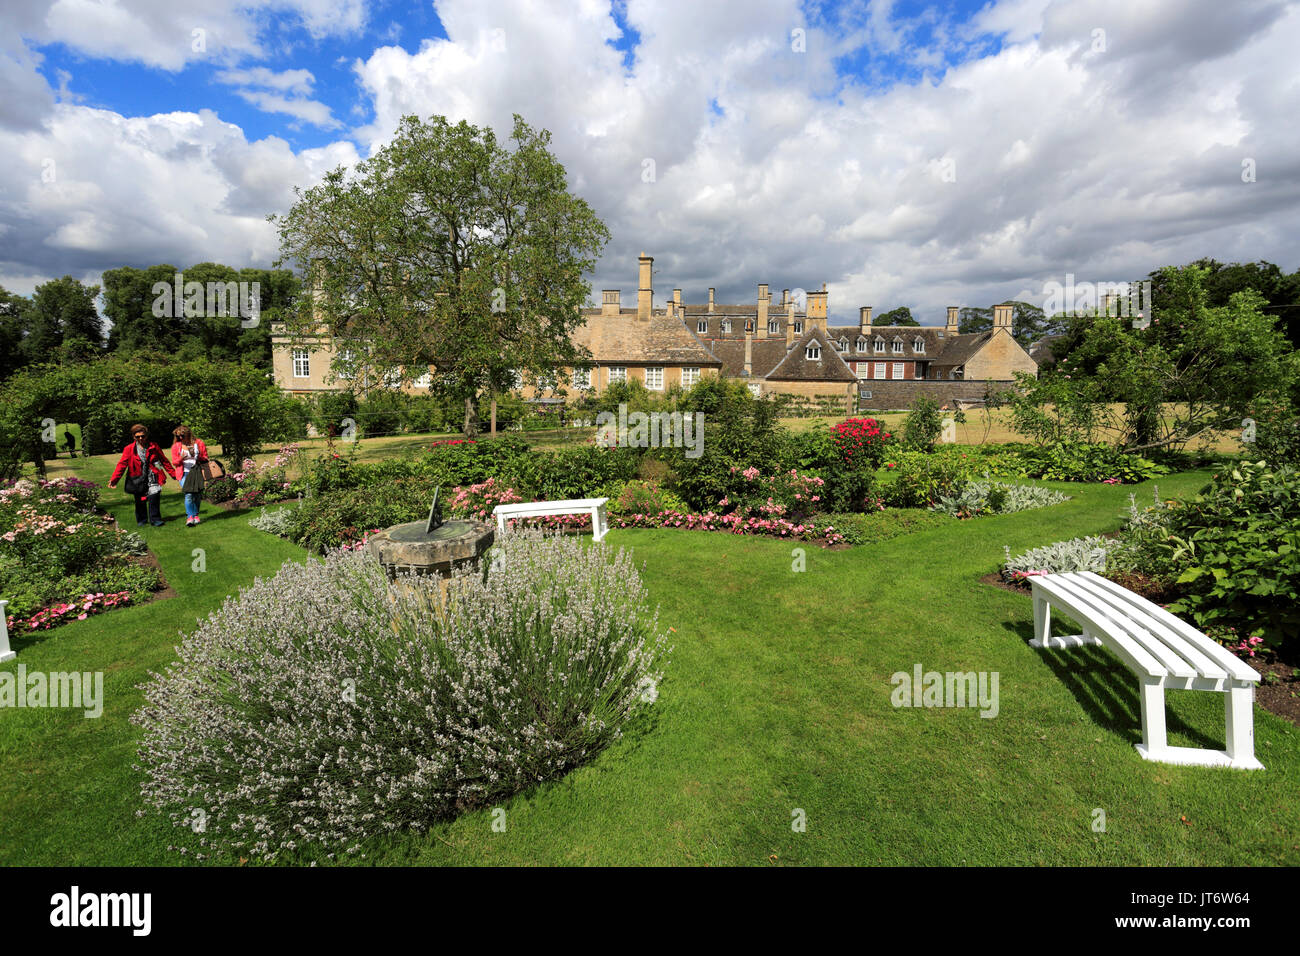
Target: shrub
861	441
642	497
787	495
478	501
278	522
519	675
918	480
343	517
1077	461
221	489
923	425
1078	554
1237	548
996	497
579	471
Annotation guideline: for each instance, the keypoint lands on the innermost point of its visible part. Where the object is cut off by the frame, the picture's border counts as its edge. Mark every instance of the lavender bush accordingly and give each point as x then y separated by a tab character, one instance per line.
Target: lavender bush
328	704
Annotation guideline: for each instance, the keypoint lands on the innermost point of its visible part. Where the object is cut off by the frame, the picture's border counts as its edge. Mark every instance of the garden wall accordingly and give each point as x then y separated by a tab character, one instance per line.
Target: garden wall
886	394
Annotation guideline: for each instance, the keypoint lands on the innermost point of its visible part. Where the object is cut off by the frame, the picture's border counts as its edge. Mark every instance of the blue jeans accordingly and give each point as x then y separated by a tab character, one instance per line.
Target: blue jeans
192	505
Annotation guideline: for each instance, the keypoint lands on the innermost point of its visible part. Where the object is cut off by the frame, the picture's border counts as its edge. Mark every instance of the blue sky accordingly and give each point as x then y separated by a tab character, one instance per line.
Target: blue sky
905	153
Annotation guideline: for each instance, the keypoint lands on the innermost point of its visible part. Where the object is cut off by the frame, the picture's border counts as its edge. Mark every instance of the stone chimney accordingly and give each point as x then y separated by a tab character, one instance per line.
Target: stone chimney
951	328
710	298
785	298
609	302
1108	304
789	331
817	308
645	287
764	301
864	320
749	355
1002	316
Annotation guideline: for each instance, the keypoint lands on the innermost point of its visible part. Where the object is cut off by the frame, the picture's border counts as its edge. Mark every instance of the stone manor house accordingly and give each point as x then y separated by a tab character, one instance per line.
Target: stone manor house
778	348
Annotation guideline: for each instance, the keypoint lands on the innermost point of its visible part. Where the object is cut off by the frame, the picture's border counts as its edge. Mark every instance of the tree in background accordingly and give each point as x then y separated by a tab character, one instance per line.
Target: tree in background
14	316
446	249
1196	369
1028	322
900	316
63	323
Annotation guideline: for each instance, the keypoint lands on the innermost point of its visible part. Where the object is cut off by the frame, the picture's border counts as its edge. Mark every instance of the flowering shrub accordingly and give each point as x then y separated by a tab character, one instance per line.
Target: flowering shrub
787	495
78	610
861	441
643	497
268	481
56	548
328	705
734	523
477	501
918	480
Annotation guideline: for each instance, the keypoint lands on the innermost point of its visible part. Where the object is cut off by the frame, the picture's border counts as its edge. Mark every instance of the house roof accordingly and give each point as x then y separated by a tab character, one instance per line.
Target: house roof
627	338
765	355
796	366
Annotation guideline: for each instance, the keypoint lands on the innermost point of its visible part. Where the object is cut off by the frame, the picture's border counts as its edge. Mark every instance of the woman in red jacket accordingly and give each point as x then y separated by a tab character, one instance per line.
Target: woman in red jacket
188	454
147	470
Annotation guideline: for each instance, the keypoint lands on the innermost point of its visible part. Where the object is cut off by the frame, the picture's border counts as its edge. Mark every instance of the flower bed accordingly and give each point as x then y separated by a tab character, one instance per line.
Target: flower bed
60	559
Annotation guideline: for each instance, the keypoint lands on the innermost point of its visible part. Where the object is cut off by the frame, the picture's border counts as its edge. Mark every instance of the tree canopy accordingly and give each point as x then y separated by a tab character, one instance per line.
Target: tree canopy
448	249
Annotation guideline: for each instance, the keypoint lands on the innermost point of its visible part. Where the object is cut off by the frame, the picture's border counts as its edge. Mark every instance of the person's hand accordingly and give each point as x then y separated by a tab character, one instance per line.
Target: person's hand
112	484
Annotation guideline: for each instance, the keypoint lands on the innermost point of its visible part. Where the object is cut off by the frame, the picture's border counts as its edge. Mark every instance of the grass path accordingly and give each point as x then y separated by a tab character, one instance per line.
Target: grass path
777	700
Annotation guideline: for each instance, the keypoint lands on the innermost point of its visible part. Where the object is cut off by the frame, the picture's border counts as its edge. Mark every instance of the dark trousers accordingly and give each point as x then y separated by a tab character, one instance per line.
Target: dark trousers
148	509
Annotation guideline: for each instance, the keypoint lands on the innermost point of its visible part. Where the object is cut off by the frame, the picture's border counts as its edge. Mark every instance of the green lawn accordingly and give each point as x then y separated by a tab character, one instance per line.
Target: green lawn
778	699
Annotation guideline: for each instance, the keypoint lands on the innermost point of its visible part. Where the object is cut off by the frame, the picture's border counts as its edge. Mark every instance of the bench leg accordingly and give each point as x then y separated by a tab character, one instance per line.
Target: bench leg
598	524
1154	739
1239	710
1042	622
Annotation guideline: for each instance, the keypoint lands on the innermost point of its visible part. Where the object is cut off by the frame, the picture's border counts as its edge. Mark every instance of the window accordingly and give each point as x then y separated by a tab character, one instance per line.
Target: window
516	380
617	373
423	381
392	378
863	369
756	389
702	326
773	327
898	346
690	375
582	378
798	327
844	346
918	345
813	353
898	370
861	345
654	379
749	325
301	363
880	369
880	346
726	325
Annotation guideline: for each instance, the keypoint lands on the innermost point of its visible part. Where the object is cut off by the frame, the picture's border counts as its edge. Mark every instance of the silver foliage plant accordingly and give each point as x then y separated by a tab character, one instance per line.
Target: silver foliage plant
1078	554
327	704
997	497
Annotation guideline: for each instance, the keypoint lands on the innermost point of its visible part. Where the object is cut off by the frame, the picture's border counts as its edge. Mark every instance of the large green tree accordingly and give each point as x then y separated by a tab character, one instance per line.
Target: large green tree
63	323
1028	322
14	316
447	248
900	316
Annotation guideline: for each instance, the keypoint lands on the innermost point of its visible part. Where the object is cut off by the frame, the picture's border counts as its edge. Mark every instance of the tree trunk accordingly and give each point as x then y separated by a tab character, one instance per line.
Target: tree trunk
494	415
471	420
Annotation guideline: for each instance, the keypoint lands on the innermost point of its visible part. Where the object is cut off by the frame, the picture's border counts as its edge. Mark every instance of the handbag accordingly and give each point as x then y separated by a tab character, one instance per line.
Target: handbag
137	486
194	481
213	469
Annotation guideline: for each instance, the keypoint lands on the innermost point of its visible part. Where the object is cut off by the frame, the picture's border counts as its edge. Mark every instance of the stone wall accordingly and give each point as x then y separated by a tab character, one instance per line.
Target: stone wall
886	395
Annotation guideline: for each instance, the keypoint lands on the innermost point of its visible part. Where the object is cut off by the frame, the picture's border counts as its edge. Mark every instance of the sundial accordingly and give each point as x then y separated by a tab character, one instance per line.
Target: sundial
435	513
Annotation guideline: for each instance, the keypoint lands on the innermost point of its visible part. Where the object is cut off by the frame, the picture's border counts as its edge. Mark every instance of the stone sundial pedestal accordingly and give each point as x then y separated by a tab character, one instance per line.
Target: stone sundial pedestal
434	546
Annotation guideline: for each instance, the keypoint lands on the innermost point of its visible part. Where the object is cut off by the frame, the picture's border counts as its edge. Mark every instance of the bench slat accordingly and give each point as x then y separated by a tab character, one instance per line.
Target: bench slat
1138	658
1230	662
1181	657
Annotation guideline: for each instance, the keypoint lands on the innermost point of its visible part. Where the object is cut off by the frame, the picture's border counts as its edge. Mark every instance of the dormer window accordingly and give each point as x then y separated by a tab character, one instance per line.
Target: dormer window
861	344
702	326
880	346
749	325
918	345
813	353
773	327
844	345
726	326
798	327
898	346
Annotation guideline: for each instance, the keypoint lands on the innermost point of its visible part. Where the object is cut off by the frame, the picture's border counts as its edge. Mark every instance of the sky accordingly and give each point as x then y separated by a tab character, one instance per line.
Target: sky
903	153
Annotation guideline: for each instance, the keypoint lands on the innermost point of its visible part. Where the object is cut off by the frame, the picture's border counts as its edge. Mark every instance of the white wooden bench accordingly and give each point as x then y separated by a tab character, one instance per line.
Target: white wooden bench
1163	651
573	506
5	653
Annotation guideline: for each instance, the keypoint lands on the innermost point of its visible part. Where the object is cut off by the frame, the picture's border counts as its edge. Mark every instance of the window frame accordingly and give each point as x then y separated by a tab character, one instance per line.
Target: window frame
617	373
303	356
660	370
